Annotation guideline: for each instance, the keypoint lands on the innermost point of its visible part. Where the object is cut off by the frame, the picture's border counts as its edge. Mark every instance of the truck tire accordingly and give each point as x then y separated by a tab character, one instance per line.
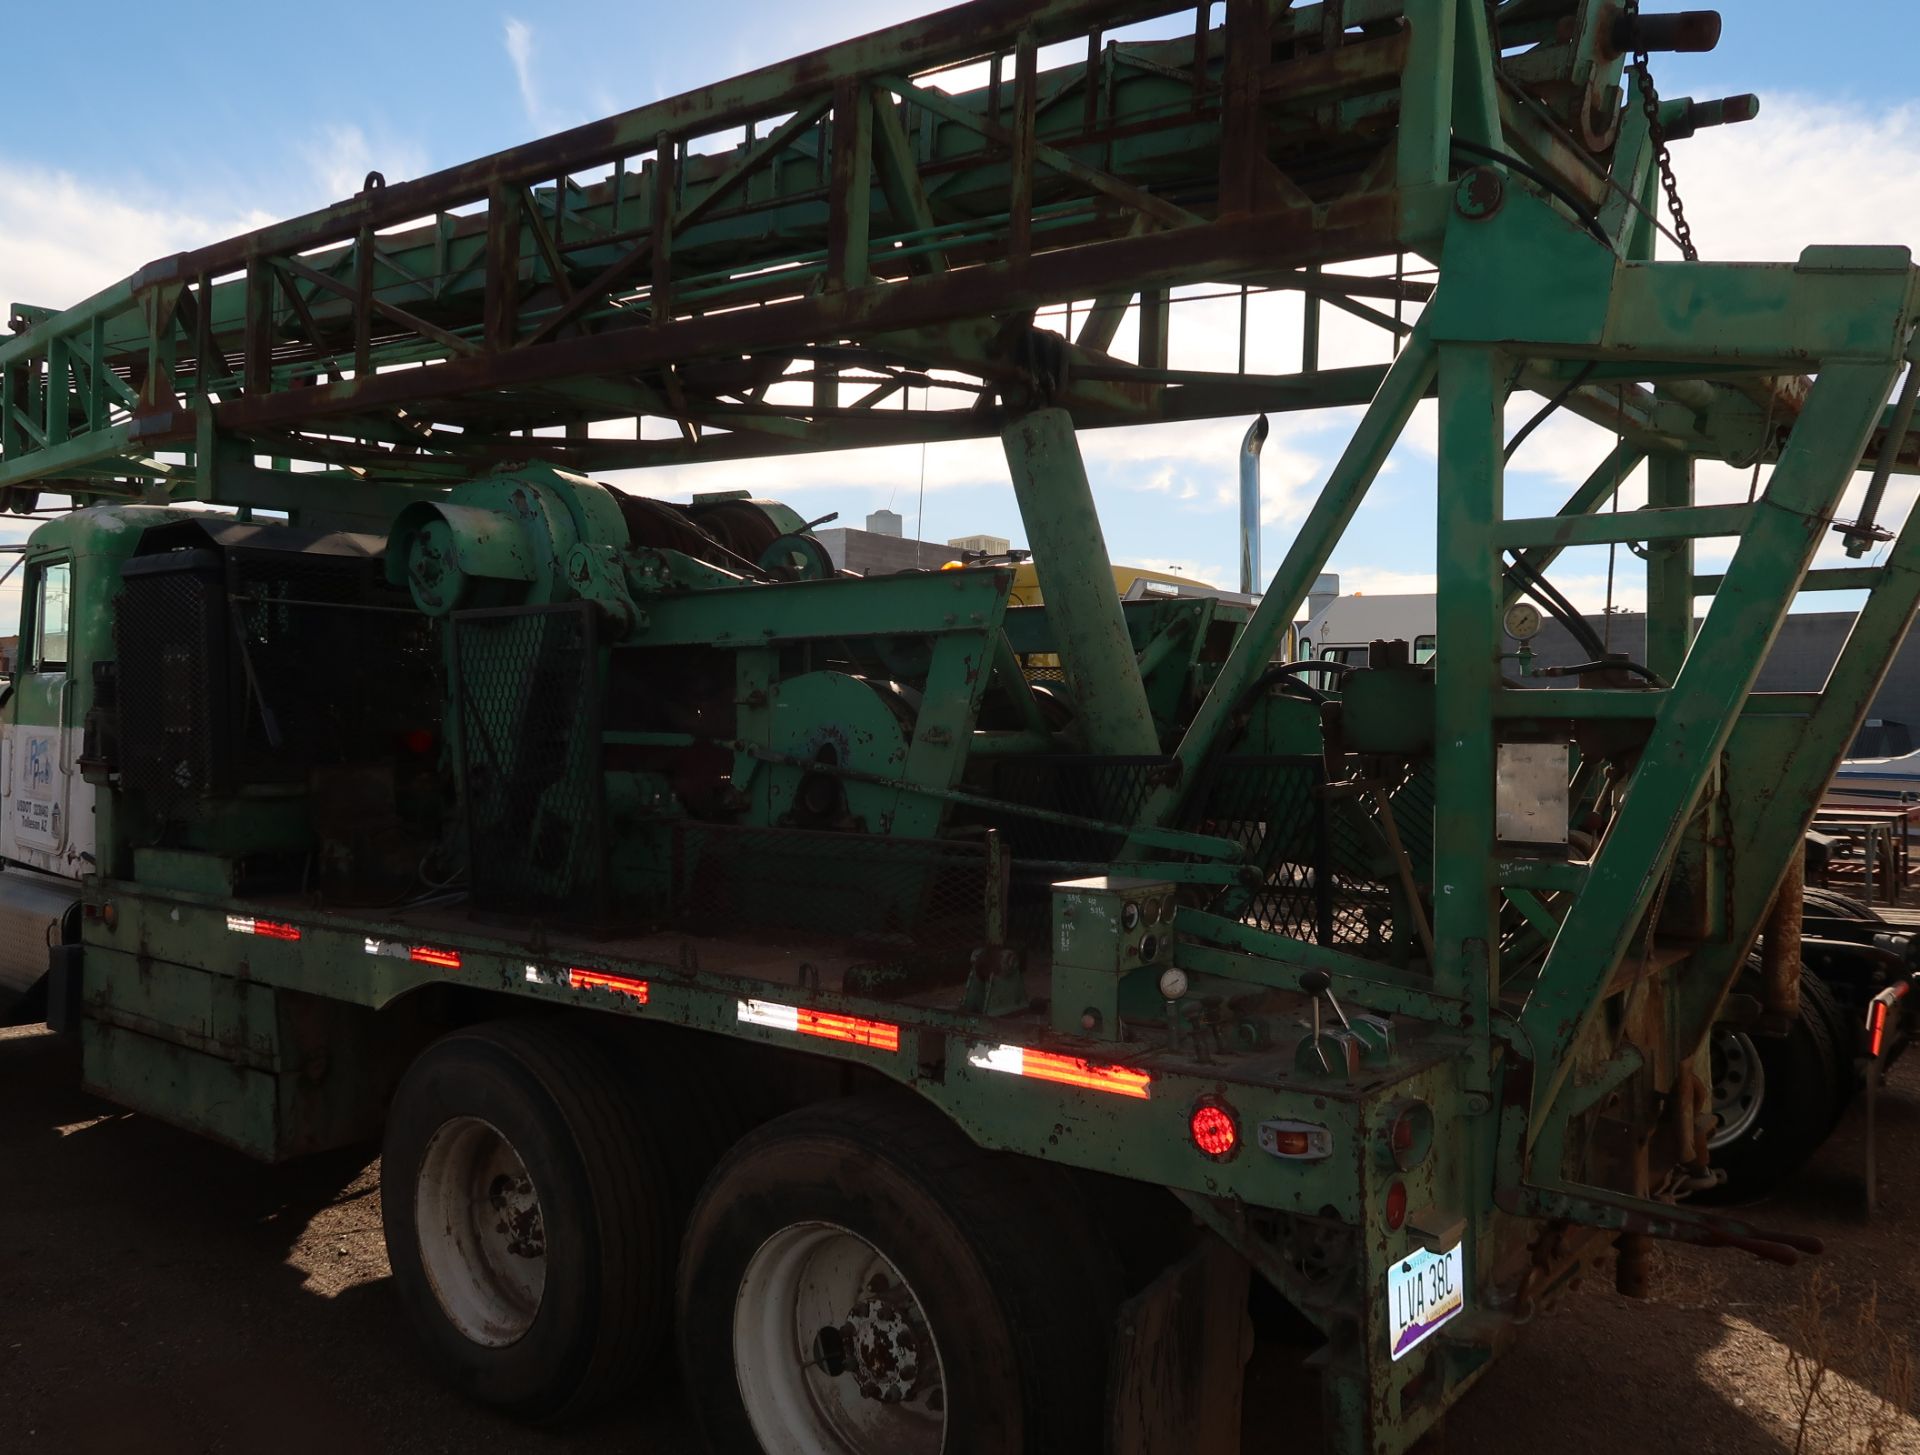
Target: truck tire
1843	1038
1832	904
1777	1097
860	1279
530	1219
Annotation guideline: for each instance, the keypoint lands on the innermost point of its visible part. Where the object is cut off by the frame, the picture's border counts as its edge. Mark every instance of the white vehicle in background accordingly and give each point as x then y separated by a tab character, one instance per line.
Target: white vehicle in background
1342	626
1892	781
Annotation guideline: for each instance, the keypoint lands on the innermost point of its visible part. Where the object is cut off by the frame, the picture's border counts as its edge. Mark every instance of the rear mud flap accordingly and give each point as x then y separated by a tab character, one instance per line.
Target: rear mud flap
1179	1359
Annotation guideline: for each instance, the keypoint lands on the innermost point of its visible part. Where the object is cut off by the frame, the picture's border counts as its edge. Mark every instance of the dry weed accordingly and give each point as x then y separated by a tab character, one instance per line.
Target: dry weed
1689	1278
1852	1378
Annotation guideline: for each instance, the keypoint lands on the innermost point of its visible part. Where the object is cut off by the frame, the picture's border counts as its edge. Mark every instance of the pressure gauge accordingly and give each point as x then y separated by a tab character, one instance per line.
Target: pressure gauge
1523	621
1173	984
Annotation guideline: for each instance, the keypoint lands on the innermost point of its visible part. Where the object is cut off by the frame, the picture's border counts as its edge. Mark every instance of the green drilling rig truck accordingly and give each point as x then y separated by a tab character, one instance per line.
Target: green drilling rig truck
939	1022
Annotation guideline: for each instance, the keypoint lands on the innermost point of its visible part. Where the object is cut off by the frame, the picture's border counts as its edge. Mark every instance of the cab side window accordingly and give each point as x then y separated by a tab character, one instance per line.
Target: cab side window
49	605
1422	650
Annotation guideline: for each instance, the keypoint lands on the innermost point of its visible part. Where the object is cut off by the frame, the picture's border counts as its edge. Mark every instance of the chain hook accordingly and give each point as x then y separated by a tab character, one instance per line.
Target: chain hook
1657	134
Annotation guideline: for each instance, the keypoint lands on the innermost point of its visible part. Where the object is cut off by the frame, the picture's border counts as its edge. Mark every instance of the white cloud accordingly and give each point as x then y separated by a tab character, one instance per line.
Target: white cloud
1198	464
341	156
1806	171
1212	573
1380	581
519	40
67	239
947	465
1588	590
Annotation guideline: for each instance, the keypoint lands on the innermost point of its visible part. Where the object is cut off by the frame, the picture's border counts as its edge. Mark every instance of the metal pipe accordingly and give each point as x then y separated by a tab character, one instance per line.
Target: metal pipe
1256	436
1076	578
1683	30
1404	386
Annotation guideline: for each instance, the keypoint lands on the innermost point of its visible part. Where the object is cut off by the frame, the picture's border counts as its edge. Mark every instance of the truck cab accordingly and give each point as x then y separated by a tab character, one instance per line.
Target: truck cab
48	810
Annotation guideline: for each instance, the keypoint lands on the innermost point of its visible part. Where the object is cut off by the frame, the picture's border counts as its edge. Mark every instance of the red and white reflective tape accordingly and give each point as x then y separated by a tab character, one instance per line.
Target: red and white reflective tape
880	1035
419	954
1067	1070
625	985
267	929
581	977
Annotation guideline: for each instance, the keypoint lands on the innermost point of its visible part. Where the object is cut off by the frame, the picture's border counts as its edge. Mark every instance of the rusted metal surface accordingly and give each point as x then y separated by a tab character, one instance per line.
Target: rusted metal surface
866	204
1780	944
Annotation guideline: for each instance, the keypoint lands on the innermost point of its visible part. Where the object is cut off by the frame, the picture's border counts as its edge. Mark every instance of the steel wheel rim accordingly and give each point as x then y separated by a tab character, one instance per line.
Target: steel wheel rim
1739	1085
481	1232
889	1396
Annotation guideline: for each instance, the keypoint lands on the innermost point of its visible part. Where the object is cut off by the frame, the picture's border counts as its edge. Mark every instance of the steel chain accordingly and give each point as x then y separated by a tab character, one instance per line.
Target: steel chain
1650	100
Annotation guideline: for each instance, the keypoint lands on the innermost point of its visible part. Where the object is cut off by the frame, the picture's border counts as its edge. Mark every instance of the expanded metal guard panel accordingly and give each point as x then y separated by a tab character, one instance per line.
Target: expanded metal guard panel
1111	790
1329	874
1413	806
528	709
1274	808
171	637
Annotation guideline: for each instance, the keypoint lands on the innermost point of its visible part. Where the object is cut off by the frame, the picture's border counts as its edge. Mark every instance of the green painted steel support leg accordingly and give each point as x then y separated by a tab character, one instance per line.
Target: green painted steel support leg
1404	387
1426	93
1786	808
1700	710
1076	578
1476	95
1632	167
1473	395
1669	569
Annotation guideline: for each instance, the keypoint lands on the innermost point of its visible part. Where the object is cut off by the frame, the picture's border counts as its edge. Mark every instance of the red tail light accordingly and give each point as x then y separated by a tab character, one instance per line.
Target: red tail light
1396	1206
1215	1130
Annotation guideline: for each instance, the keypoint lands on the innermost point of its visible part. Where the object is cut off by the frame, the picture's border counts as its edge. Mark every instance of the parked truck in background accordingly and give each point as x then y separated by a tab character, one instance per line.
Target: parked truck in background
736	952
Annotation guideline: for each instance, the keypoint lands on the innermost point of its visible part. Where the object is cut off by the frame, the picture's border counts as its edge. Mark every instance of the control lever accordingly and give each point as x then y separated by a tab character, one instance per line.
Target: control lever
1318	984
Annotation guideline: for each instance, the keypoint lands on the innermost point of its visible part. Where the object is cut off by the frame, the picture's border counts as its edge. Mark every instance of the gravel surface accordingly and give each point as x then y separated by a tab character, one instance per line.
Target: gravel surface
162	1296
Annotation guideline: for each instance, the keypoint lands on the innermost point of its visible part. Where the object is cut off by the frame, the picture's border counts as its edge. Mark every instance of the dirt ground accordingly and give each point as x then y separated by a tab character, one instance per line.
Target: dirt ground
161	1296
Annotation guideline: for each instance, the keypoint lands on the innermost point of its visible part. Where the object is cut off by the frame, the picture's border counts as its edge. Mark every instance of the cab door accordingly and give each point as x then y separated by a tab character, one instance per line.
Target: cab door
42	739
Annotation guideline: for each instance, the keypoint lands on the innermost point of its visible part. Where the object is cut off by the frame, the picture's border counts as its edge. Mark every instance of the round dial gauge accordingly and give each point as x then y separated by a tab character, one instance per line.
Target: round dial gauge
1523	621
1173	984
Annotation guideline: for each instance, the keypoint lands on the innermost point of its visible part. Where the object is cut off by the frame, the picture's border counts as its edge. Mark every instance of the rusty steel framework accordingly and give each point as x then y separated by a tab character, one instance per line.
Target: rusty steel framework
864	227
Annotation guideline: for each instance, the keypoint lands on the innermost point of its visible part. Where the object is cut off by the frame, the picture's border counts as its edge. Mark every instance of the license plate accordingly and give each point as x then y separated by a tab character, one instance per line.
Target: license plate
1424	1290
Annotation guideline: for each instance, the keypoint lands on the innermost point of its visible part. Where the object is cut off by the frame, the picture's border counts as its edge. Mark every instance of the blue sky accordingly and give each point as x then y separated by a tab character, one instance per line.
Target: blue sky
241	90
143	129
